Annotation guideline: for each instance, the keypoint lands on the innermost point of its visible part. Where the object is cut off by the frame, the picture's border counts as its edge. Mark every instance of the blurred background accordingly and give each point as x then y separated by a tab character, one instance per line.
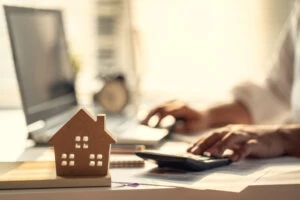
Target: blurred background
198	48
188	49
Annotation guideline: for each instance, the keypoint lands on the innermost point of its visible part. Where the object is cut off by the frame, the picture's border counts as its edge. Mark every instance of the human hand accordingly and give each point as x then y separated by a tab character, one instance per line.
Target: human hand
191	119
243	140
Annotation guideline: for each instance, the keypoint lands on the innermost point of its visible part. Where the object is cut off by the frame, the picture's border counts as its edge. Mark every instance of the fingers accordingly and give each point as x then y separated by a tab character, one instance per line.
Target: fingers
155	116
245	150
150	116
207	140
203	144
229	141
217	142
249	148
154	112
241	141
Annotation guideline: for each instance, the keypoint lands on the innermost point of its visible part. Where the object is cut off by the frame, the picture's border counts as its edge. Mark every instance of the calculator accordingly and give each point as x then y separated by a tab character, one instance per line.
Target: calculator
185	161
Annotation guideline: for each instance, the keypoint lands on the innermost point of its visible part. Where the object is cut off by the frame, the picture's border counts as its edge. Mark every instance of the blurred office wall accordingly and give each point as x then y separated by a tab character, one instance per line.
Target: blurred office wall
199	48
189	48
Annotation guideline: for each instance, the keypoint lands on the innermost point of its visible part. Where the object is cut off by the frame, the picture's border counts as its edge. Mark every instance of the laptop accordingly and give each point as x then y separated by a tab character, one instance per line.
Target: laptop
46	79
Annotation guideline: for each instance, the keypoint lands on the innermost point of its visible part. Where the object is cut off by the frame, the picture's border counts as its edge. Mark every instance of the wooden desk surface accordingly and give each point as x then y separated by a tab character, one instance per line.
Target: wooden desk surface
278	183
272	192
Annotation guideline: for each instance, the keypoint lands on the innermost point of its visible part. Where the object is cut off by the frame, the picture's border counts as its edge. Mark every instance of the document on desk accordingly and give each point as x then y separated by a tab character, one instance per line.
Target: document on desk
232	178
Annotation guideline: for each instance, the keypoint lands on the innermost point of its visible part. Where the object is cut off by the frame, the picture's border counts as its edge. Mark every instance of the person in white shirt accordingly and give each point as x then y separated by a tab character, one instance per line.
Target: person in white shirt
274	101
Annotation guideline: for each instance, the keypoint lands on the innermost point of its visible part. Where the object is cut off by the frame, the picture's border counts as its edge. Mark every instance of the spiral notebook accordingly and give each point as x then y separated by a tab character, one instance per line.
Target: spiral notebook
125	161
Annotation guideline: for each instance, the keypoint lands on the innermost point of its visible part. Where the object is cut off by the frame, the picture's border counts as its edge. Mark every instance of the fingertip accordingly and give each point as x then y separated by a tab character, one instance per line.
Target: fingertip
243	154
193	150
248	149
214	152
143	121
190	148
153	120
197	150
207	154
234	158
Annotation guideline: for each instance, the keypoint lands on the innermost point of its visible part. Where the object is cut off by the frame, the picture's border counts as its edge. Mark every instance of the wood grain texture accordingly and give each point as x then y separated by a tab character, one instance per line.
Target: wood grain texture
42	174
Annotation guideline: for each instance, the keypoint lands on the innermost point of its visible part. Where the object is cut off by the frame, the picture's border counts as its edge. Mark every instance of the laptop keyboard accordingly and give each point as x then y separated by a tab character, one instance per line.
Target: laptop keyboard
42	137
126	130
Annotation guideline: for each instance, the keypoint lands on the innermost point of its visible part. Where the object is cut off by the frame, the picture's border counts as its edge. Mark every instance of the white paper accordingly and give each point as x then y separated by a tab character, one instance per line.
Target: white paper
233	178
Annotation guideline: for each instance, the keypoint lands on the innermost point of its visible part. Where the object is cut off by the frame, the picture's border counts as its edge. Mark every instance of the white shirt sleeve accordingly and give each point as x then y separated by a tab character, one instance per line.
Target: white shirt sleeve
269	101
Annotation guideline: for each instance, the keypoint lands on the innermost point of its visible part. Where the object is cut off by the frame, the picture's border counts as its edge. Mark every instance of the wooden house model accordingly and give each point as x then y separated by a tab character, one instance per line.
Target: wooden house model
82	146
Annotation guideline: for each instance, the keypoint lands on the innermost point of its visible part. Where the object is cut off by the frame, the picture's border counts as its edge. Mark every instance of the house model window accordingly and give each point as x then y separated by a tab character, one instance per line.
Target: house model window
67	159
95	160
81	142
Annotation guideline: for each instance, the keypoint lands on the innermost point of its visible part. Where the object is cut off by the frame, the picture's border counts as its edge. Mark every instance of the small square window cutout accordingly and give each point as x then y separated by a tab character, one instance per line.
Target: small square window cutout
77	138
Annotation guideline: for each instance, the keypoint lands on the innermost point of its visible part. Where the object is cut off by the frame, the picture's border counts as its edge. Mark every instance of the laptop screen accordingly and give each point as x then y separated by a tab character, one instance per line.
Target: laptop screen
42	62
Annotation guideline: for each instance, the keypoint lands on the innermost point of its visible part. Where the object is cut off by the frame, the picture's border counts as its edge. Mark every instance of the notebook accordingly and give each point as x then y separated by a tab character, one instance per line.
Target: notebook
125	161
46	79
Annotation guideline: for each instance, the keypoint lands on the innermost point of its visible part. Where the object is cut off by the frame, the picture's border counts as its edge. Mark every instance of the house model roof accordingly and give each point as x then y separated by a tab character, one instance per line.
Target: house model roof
84	122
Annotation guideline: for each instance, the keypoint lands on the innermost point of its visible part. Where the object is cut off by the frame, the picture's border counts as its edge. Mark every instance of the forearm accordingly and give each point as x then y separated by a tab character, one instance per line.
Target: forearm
291	139
229	113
